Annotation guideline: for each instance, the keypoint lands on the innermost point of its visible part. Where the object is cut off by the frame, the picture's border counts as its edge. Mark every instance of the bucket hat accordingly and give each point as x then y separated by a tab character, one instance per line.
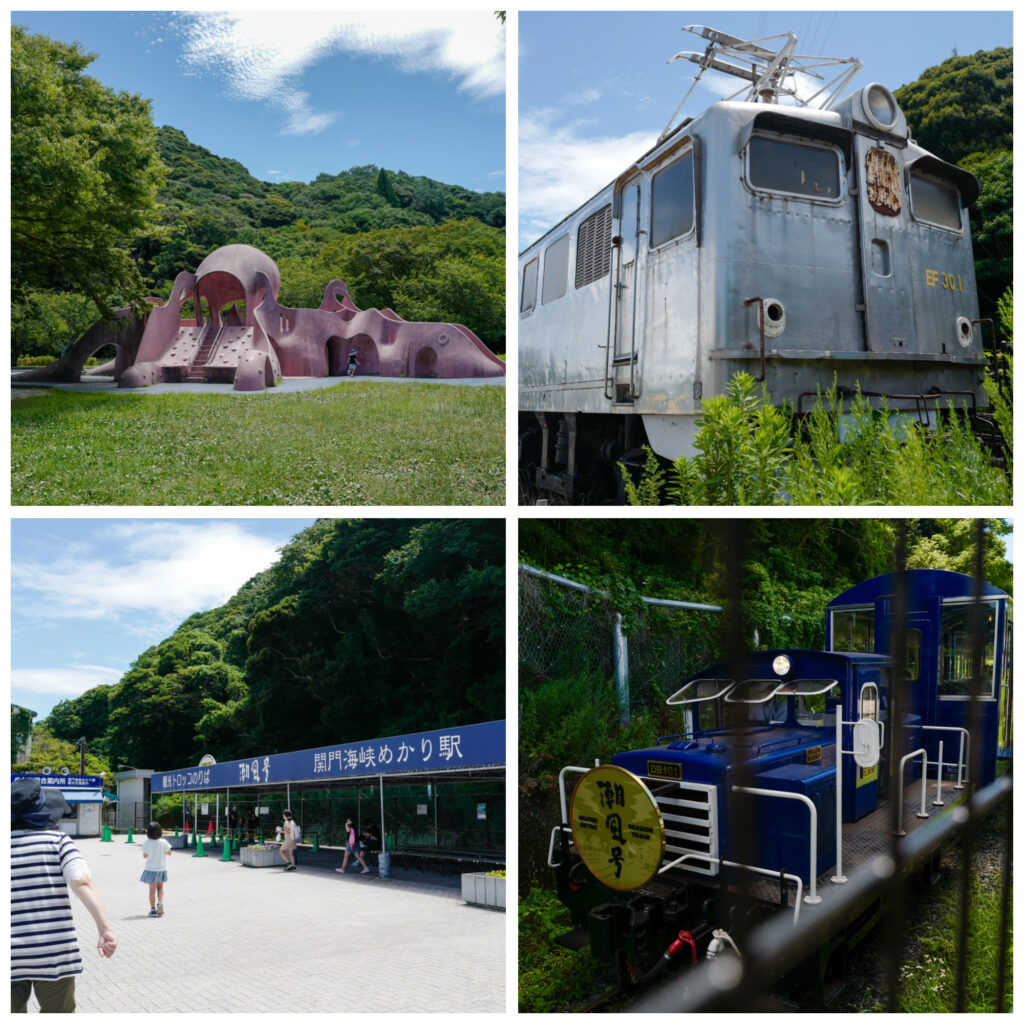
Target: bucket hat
36	807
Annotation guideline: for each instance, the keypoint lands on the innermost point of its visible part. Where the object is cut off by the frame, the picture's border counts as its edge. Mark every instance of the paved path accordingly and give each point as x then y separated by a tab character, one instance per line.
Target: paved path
289	385
237	939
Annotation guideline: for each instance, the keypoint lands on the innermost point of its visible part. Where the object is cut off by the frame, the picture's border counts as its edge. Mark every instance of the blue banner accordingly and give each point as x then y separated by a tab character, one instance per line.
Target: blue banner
467	746
65	781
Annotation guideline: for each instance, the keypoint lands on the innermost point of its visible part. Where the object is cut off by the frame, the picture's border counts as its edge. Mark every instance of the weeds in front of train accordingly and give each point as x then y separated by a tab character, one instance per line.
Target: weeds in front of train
750	454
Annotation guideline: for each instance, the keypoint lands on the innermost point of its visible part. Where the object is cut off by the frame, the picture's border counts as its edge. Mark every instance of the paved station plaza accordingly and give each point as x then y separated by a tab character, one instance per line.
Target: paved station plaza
241	939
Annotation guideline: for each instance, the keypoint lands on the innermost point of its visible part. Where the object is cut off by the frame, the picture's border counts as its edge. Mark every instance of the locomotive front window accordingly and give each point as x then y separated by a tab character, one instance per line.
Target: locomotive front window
956	651
556	270
854	631
935	201
699	690
753	691
529	296
793	167
672	201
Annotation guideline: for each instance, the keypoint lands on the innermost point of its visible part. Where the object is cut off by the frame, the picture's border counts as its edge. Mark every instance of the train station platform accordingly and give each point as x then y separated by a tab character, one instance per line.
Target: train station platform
260	940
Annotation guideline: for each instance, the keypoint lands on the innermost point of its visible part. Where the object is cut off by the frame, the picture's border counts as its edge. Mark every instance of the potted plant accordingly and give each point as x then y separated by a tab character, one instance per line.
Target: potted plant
484	889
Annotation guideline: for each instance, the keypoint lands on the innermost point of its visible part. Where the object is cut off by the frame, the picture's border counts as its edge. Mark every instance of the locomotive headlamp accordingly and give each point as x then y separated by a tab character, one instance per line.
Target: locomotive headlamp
880	106
781	665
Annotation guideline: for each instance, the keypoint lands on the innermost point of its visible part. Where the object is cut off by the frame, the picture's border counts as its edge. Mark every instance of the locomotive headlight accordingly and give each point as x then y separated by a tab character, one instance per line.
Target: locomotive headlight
781	665
880	106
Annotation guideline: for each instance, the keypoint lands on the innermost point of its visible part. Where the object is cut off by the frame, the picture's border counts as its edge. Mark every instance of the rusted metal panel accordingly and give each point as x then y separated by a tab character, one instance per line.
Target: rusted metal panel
883	181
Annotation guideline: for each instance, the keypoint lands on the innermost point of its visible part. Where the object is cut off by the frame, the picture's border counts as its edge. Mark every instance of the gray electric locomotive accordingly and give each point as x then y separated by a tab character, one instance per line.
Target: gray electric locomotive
800	245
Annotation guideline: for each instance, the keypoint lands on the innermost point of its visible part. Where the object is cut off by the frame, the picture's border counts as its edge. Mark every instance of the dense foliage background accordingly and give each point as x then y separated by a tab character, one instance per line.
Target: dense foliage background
107	208
361	629
962	110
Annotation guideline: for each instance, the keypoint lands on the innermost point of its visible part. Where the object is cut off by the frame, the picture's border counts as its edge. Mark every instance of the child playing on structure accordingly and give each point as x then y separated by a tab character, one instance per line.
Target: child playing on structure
155	851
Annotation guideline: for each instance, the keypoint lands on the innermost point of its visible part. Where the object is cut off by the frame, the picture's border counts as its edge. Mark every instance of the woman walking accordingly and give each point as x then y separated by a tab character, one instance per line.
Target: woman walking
288	844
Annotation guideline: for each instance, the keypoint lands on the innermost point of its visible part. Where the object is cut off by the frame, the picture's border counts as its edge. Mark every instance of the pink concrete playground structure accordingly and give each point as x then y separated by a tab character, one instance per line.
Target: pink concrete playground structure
256	349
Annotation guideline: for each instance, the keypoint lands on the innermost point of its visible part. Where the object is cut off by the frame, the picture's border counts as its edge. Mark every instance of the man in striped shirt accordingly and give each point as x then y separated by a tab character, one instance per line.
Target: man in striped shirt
45	863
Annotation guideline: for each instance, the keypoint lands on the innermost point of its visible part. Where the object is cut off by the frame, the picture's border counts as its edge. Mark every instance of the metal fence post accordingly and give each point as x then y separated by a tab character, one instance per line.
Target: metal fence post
621	648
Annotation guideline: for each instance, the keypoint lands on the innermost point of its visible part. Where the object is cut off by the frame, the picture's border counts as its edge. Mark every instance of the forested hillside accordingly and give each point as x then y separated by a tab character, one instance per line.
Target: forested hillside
107	208
962	110
363	628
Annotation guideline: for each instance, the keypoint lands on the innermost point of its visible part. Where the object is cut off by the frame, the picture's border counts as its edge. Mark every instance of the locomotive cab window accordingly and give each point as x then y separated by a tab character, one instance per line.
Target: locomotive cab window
556	270
956	651
853	630
793	168
672	201
700	690
934	201
529	297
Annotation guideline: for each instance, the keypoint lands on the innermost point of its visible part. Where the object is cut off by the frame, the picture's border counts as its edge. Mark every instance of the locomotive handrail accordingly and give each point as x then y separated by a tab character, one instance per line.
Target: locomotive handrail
900	831
964	755
812	895
746	867
561	786
551	845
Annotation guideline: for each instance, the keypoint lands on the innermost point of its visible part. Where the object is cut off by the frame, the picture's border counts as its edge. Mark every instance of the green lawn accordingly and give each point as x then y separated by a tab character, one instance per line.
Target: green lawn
355	444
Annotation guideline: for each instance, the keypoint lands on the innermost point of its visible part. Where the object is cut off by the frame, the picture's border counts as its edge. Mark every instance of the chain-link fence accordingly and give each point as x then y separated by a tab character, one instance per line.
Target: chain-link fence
568	628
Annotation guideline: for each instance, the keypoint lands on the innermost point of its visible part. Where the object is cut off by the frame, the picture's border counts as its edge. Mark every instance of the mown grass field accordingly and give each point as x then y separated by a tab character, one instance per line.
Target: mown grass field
356	444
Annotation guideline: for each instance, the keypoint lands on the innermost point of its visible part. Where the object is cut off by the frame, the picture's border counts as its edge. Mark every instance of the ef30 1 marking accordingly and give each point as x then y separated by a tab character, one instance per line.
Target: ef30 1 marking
951	282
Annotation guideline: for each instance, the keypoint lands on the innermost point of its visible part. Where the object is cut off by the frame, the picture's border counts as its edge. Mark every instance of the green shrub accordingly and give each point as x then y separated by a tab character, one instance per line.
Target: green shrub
842	454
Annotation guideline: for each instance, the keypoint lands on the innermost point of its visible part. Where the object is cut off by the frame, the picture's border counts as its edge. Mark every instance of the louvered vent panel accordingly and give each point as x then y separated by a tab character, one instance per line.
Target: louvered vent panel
593	246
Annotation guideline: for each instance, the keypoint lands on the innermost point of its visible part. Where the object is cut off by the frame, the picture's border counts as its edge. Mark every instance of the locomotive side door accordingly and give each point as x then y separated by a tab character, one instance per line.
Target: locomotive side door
886	266
623	381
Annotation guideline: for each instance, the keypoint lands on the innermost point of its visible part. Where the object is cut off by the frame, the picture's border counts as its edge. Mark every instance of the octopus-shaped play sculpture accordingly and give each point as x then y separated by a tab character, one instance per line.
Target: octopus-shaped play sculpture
256	347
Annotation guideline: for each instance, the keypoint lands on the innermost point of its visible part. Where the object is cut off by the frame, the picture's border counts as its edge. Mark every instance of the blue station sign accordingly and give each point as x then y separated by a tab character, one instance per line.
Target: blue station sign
64	781
467	746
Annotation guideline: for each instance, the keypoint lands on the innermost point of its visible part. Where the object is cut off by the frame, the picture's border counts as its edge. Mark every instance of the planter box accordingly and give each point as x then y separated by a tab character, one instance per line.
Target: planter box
483	891
177	842
253	858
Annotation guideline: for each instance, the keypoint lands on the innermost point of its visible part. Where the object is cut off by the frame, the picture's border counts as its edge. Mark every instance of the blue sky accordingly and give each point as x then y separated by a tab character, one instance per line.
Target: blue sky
88	596
595	89
296	94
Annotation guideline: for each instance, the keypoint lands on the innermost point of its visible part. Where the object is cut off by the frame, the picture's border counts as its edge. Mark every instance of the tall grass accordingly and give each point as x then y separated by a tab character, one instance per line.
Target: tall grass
749	452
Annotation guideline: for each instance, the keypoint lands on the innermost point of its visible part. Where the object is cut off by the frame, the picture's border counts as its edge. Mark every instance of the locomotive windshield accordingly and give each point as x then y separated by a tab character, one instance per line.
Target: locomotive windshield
796	168
935	201
853	630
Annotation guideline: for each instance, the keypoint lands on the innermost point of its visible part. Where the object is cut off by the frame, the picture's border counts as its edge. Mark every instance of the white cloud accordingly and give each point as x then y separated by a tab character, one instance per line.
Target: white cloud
63	683
263	55
563	165
152	570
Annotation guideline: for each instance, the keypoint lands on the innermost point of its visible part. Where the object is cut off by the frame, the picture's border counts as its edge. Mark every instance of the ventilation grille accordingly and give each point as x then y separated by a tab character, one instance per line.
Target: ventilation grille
690	813
593	246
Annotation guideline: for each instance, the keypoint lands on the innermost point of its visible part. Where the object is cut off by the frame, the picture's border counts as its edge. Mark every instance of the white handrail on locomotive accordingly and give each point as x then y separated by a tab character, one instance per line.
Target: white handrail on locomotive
901	831
839	877
965	753
812	894
768	70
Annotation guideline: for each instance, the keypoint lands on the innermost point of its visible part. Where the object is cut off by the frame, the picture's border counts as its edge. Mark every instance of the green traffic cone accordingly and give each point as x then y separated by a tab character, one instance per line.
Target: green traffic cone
129	839
175	831
199	847
107	835
316	842
261	837
226	855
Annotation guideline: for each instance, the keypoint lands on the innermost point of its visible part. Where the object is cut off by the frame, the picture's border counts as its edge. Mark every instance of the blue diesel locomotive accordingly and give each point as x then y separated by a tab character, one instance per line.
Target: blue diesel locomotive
791	768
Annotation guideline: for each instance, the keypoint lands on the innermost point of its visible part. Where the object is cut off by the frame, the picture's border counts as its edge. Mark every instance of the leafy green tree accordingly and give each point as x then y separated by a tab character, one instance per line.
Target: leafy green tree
21	729
992	225
46	322
50	752
85	172
385	189
963	105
